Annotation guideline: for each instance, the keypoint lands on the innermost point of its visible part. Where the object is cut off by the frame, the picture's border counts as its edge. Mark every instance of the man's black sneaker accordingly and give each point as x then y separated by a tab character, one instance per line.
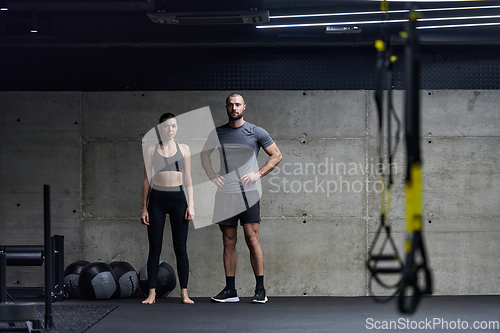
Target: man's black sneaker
226	296
260	296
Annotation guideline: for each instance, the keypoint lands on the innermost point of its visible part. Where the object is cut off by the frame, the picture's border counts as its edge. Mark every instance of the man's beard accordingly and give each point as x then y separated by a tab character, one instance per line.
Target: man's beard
238	117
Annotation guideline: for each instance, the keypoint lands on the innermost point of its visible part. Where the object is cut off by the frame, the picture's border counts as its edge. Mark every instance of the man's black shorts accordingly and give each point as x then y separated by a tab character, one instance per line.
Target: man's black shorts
231	207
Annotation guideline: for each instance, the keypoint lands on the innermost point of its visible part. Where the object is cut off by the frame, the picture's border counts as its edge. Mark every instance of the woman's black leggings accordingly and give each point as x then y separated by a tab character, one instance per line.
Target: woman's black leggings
170	201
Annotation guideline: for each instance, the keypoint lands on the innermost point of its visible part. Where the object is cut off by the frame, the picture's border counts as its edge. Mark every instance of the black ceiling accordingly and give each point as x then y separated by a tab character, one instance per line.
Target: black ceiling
124	23
109	45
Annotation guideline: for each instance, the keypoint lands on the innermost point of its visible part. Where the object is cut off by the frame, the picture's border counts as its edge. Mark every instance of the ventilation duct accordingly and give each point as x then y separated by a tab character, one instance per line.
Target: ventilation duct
211	18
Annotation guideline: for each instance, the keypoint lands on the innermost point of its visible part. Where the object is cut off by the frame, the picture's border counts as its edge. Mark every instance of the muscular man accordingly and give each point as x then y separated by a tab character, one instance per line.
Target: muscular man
237	197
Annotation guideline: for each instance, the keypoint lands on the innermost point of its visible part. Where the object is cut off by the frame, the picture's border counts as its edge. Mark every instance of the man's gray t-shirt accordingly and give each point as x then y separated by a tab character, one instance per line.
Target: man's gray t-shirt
238	150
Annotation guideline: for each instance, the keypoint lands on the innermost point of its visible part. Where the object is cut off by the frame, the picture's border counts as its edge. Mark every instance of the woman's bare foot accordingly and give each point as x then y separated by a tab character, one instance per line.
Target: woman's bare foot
151	298
185	297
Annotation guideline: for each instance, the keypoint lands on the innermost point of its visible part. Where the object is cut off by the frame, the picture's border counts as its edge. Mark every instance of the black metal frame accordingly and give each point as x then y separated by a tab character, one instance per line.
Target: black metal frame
51	254
34	255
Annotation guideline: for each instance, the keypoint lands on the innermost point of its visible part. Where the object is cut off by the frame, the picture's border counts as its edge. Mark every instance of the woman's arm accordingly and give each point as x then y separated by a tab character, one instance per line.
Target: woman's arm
145	193
148	152
188	181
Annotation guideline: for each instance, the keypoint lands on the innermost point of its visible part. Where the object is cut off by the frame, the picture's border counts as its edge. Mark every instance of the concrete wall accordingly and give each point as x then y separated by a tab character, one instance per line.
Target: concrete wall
319	208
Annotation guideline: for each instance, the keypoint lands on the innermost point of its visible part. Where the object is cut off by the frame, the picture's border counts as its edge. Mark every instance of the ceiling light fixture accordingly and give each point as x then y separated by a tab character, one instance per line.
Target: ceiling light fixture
456	8
327	24
300	25
338	29
388	21
379	12
34	24
458	25
459	18
335	14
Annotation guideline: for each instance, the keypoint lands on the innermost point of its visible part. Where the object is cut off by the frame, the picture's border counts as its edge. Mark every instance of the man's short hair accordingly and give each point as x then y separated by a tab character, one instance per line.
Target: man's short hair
235	95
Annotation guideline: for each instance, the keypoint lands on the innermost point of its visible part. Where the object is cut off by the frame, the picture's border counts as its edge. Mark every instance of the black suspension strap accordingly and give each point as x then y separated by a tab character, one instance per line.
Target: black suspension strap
416	274
384	259
158	136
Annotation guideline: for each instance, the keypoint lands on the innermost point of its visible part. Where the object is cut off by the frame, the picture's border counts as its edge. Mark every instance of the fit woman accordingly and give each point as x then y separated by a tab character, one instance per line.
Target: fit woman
169	164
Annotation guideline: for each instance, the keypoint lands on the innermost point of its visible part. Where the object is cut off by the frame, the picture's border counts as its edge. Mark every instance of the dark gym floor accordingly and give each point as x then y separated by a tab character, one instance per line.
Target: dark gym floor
299	314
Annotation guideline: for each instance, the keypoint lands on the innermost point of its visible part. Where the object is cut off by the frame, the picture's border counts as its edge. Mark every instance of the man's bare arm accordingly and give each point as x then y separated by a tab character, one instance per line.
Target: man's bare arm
206	162
274	159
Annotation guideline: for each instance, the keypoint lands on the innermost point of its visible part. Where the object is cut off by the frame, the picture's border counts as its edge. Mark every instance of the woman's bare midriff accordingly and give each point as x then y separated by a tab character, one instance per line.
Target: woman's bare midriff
168	178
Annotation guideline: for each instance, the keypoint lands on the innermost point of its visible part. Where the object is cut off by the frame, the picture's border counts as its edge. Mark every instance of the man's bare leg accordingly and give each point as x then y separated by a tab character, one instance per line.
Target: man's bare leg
252	239
257	260
230	258
228	294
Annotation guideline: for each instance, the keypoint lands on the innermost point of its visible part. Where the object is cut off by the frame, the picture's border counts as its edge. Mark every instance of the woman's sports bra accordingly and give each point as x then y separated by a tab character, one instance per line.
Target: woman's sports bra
173	163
